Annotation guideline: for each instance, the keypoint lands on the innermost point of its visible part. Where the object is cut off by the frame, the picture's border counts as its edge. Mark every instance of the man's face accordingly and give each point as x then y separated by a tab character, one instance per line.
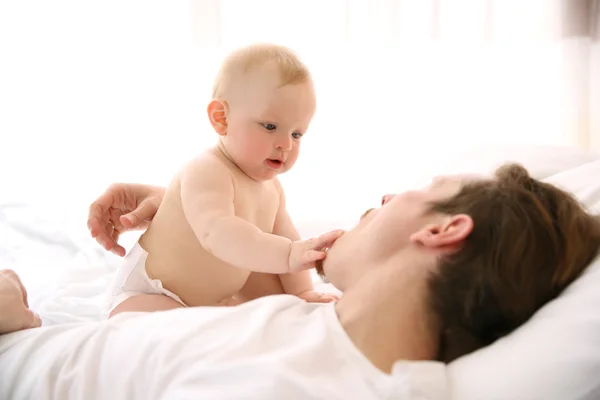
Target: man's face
384	232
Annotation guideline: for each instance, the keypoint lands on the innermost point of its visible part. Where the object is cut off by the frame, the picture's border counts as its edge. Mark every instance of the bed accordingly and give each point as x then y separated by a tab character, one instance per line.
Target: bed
556	355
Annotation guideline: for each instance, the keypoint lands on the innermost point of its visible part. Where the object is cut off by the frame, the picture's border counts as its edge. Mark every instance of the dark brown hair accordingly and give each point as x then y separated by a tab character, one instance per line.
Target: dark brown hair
530	240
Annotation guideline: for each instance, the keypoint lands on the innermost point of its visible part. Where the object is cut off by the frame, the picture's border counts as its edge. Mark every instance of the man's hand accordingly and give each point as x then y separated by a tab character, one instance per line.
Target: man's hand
305	253
121	208
312	296
15	314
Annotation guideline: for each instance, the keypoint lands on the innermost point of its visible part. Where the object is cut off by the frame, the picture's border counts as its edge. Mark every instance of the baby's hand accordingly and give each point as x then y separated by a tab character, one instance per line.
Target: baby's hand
312	296
304	253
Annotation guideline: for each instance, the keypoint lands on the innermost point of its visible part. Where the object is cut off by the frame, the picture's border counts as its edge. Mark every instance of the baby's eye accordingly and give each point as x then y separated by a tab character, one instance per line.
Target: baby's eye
296	135
270	127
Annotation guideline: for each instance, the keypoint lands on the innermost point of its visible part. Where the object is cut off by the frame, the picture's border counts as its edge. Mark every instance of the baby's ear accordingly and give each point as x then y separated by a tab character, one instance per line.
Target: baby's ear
217	114
448	234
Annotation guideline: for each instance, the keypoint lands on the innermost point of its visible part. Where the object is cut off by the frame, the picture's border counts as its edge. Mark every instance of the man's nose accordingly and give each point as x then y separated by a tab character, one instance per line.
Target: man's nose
387	198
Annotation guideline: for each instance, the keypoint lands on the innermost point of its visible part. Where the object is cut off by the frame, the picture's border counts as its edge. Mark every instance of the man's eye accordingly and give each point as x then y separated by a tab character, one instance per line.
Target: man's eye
270	127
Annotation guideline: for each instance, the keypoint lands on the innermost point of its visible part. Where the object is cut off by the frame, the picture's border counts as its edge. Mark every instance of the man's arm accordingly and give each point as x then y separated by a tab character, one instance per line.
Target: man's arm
207	195
296	282
122	207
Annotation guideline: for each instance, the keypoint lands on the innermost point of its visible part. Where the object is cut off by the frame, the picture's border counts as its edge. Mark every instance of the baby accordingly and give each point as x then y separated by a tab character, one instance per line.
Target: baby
222	234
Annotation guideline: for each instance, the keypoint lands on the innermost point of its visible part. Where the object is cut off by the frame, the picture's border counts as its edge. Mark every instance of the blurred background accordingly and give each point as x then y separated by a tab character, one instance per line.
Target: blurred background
93	92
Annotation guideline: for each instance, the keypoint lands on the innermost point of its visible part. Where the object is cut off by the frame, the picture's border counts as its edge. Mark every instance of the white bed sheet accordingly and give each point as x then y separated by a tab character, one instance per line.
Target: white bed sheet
64	270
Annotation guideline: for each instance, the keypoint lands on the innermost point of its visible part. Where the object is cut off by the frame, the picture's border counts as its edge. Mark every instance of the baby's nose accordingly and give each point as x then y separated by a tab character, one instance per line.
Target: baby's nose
284	143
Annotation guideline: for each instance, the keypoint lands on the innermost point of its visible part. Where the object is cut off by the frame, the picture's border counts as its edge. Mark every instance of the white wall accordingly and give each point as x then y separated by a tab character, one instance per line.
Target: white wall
94	92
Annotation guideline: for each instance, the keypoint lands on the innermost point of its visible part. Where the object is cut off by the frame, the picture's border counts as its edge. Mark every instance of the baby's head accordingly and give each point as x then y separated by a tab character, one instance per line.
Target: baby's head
263	103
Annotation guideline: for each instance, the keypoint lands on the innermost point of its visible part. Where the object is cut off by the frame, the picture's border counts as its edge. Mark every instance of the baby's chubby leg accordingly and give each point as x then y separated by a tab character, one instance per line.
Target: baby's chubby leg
146	303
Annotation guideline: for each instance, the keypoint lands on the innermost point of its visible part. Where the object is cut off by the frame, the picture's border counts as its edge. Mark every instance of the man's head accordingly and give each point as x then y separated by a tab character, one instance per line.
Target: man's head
403	228
530	240
496	250
263	103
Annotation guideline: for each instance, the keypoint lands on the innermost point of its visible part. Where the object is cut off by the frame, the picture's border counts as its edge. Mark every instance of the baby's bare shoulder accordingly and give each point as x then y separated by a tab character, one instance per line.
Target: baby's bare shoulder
207	165
277	186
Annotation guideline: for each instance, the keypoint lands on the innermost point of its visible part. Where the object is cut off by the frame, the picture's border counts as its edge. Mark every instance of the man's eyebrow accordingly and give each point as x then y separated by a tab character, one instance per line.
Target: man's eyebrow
438	180
366	213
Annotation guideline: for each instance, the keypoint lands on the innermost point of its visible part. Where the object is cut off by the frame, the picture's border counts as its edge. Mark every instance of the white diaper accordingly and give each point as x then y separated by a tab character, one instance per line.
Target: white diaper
132	280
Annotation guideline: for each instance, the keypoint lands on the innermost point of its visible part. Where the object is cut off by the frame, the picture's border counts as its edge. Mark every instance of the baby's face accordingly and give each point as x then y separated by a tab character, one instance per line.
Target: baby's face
265	128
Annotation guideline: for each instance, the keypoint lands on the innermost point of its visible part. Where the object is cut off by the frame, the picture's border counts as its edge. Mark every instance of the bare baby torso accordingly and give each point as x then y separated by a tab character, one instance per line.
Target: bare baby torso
175	255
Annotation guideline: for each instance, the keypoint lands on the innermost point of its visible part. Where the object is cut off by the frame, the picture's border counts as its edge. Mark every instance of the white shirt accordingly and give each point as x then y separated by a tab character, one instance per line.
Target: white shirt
278	347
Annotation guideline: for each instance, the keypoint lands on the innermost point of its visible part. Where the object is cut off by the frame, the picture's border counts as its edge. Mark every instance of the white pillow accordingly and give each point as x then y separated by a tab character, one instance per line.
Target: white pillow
541	161
556	354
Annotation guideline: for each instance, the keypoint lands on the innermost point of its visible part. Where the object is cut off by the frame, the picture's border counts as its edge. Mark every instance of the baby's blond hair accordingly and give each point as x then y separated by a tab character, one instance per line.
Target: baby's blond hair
251	58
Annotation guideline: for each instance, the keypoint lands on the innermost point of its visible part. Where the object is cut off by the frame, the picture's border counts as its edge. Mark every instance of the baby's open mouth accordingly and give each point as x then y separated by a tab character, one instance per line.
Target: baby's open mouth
274	163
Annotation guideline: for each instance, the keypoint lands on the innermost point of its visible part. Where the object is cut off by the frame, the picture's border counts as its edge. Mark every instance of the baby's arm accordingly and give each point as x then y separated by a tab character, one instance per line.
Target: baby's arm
207	198
207	195
295	283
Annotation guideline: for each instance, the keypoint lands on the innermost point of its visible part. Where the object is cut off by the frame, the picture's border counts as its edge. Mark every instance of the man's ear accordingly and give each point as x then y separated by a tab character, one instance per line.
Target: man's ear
217	114
451	233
